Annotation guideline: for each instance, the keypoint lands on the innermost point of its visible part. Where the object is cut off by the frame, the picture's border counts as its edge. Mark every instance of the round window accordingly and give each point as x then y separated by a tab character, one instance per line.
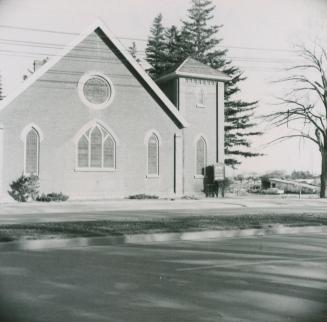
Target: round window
95	90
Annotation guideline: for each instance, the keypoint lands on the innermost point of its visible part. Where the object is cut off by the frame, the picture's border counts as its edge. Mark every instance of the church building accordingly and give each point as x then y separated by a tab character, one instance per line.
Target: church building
92	124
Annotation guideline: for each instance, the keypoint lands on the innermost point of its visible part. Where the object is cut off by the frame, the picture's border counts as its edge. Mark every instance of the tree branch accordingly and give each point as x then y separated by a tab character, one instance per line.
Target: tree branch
291	136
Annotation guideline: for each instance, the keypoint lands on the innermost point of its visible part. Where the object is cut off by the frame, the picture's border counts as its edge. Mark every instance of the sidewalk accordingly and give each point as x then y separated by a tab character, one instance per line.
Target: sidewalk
139	205
113	204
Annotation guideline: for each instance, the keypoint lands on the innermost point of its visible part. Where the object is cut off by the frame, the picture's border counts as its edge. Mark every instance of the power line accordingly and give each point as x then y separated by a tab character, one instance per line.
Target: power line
242	67
97	58
143	39
38	30
269	60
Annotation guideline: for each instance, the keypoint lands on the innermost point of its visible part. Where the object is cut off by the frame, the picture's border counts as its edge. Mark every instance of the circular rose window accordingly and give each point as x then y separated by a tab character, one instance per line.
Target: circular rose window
96	90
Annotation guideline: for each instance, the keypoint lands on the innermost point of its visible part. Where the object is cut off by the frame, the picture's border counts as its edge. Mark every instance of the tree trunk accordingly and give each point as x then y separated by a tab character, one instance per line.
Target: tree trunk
323	176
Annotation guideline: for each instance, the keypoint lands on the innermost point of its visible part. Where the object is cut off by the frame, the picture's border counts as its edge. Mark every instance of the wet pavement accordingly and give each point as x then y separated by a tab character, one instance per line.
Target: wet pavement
271	278
57	243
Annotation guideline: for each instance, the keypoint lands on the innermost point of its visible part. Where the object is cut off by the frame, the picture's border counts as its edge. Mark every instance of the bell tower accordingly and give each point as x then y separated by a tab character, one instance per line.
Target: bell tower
197	91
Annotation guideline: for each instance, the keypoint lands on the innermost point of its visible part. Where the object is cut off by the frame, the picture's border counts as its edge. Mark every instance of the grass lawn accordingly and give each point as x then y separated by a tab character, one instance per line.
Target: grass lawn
103	228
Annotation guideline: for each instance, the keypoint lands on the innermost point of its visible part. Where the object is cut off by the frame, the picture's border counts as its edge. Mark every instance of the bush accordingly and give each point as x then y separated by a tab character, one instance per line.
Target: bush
43	198
53	196
25	188
143	196
190	197
57	196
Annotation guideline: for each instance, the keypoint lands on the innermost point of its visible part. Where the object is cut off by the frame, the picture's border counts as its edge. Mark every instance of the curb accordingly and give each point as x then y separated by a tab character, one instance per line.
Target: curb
48	244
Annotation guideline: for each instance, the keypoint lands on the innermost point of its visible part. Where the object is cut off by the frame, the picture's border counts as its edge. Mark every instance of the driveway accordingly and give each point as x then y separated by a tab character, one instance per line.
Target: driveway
272	278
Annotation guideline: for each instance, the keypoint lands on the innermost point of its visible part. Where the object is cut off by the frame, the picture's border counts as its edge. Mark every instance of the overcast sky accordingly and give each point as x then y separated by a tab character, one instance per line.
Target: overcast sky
266	31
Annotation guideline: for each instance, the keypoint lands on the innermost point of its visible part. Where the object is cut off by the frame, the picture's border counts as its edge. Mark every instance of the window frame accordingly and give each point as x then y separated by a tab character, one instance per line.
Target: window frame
27	131
148	138
80	89
104	138
196	175
201	92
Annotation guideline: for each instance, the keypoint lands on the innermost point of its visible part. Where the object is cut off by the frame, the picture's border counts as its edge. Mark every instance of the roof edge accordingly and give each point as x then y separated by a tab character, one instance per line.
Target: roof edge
176	74
49	64
170	106
101	25
182	64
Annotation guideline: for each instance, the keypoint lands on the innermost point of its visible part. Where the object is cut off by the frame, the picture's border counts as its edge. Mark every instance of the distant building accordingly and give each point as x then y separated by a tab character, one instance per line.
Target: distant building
315	181
289	186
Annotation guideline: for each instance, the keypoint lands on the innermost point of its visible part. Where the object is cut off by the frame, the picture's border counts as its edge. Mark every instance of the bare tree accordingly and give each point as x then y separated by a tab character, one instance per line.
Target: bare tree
305	106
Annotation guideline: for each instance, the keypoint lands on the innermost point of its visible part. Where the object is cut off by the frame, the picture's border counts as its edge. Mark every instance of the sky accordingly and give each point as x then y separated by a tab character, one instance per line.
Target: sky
260	35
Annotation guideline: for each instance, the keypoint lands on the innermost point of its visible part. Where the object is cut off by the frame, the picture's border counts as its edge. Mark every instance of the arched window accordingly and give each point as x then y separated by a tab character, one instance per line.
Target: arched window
201	156
153	155
32	152
96	149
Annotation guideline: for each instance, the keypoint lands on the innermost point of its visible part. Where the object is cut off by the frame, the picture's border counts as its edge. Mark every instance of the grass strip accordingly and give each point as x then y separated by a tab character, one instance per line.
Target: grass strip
102	228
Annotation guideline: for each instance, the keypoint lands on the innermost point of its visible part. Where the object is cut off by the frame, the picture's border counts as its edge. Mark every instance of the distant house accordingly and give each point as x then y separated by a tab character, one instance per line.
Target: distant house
315	181
289	186
91	123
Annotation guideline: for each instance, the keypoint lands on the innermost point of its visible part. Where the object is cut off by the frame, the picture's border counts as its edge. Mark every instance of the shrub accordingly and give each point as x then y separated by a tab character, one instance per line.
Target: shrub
57	196
190	197
53	196
25	188
43	198
143	196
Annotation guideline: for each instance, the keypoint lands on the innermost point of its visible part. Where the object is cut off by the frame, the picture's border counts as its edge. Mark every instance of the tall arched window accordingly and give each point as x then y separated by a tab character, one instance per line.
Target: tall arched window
201	156
96	149
153	155
32	152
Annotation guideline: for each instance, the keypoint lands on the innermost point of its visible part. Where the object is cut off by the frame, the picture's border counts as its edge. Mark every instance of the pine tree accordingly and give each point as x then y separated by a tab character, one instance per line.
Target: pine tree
198	39
155	47
174	48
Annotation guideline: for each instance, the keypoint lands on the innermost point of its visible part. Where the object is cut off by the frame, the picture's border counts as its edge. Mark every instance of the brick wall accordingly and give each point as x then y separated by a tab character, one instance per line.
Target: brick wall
54	105
203	122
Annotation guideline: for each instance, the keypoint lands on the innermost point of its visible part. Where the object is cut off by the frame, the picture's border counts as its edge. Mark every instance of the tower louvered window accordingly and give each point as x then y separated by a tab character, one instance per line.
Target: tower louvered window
201	156
202	97
96	149
32	150
153	156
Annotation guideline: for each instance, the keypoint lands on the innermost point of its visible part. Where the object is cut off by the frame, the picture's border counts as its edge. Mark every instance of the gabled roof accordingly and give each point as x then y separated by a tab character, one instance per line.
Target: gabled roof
195	69
99	24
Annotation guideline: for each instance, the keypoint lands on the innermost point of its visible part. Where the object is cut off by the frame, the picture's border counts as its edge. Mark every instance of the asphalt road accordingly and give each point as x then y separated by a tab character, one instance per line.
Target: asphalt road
271	278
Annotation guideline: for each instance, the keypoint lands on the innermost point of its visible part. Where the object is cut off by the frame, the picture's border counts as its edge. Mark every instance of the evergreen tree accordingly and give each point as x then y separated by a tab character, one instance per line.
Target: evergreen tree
173	50
198	39
155	47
